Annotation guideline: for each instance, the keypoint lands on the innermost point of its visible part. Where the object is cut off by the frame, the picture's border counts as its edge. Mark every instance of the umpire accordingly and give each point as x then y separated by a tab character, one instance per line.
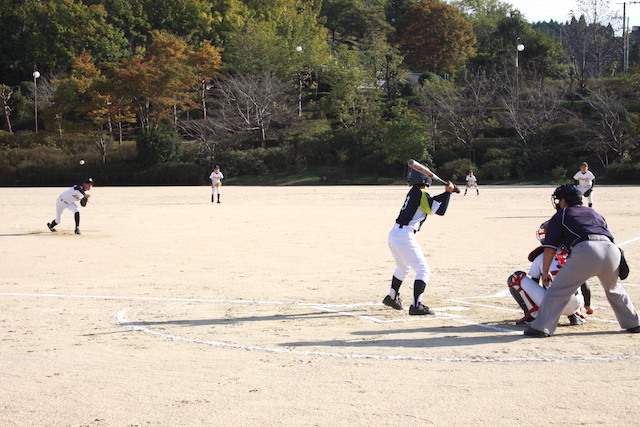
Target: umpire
592	253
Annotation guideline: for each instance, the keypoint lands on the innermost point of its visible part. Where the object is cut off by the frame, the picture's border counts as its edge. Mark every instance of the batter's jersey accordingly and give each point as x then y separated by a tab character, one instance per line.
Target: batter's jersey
215	177
72	195
558	261
584	179
418	205
471	180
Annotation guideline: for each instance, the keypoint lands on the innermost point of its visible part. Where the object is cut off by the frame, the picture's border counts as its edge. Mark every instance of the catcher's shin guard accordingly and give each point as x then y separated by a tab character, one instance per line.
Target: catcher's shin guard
515	287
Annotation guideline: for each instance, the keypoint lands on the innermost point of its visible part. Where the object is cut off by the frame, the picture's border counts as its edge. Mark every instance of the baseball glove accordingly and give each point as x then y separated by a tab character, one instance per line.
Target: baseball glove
83	202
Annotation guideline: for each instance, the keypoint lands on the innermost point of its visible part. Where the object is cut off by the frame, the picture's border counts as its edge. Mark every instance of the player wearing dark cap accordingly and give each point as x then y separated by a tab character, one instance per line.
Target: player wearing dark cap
68	199
593	253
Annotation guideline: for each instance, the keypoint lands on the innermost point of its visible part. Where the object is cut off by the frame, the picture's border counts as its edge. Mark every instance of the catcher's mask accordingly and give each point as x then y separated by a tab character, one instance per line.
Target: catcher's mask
416	178
570	193
542	231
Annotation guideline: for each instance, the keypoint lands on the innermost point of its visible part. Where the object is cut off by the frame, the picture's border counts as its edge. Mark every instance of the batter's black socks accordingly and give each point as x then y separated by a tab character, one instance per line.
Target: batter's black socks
418	289
395	287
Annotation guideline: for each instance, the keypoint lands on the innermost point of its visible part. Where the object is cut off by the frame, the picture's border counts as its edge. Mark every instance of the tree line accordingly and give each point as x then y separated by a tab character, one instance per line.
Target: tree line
287	85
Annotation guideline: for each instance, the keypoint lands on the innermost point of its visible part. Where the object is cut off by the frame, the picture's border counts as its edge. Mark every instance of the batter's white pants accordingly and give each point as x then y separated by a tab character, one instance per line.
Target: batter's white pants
408	254
537	292
61	206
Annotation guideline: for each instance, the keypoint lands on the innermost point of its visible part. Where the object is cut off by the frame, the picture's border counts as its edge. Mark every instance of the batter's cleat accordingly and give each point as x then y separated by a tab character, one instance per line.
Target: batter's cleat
420	310
634	330
526	320
393	303
51	227
575	320
534	333
77	231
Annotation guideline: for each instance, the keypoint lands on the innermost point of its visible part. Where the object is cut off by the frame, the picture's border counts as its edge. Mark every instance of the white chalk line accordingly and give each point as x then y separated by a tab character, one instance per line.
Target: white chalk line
120	319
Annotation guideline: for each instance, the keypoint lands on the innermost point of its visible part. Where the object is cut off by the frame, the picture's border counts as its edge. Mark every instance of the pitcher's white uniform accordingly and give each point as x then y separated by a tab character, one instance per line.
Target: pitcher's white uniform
67	200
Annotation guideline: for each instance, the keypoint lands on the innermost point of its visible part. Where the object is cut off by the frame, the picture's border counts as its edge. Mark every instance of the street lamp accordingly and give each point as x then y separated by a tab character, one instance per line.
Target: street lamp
519	48
36	75
299	49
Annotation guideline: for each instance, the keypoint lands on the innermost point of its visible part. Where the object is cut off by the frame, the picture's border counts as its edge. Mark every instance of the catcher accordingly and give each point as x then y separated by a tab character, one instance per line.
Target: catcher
528	292
68	199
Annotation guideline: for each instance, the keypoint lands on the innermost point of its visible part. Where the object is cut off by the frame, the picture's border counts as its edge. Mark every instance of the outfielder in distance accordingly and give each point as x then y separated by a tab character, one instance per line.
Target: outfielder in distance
216	182
68	199
403	243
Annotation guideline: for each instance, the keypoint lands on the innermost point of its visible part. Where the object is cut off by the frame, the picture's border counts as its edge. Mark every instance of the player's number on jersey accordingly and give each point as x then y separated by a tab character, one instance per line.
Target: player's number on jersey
406	202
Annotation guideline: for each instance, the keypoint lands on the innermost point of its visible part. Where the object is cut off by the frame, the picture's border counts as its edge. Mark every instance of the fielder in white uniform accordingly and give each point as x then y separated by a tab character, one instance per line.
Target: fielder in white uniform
216	182
472	181
528	293
405	247
68	199
585	180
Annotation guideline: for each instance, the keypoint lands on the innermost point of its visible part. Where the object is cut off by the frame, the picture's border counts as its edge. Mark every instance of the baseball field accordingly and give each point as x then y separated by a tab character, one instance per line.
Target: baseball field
266	310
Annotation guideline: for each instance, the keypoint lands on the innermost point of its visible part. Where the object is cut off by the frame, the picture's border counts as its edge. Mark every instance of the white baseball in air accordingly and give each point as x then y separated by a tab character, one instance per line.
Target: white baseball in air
299	48
82	162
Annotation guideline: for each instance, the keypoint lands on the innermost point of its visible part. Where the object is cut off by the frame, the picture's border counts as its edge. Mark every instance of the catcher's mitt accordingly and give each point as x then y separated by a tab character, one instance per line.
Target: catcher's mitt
83	202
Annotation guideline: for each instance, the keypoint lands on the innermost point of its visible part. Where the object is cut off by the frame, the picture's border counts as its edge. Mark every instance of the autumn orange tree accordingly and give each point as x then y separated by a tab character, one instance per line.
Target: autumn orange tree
435	37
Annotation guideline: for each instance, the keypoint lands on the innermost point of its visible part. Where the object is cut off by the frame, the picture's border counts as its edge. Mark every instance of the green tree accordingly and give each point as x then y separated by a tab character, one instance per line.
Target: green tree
435	37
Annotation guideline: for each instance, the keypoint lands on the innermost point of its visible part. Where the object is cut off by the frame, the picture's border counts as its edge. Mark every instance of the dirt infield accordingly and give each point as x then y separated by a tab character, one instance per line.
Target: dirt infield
265	310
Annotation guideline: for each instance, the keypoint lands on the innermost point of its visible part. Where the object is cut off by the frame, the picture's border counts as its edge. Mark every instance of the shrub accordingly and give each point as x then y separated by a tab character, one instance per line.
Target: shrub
157	146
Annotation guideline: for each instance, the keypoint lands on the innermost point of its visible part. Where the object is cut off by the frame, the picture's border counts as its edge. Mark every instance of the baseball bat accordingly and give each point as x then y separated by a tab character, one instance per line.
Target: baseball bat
417	166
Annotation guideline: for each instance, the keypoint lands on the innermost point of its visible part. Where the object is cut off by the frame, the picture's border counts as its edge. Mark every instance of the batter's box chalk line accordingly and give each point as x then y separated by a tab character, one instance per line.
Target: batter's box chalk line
443	313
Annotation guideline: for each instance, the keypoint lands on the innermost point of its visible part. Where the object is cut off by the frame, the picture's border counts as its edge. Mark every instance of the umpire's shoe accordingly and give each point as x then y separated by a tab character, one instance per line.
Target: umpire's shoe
420	310
530	332
634	330
393	303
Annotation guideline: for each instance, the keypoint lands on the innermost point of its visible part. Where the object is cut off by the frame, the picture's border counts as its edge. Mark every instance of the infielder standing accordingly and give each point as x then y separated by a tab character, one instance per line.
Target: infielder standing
404	245
593	253
472	181
68	199
216	182
586	181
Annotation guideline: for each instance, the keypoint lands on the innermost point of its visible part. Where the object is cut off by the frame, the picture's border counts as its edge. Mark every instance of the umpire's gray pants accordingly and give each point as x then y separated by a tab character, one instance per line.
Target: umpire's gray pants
588	259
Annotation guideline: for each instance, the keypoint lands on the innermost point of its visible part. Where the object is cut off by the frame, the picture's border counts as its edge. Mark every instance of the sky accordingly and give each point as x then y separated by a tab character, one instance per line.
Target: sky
558	10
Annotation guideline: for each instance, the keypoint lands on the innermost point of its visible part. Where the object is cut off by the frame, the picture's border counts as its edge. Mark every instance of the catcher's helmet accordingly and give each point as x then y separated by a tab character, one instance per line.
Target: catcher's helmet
570	193
542	231
416	178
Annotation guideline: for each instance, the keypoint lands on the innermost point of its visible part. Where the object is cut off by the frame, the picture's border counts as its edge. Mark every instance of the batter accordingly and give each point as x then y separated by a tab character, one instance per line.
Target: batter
405	247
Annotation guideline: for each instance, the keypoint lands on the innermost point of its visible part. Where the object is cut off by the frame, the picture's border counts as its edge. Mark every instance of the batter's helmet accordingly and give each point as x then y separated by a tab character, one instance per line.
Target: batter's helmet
416	178
570	193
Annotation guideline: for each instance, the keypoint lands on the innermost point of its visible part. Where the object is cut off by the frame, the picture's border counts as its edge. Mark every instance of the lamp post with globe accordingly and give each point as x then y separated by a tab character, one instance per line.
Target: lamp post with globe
36	75
519	48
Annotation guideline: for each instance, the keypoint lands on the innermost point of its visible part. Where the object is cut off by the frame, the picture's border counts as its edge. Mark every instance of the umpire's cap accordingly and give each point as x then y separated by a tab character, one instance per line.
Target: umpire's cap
416	178
570	193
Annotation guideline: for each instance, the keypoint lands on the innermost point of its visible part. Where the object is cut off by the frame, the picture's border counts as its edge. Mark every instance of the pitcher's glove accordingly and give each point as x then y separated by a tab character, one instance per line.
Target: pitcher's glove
588	192
84	200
